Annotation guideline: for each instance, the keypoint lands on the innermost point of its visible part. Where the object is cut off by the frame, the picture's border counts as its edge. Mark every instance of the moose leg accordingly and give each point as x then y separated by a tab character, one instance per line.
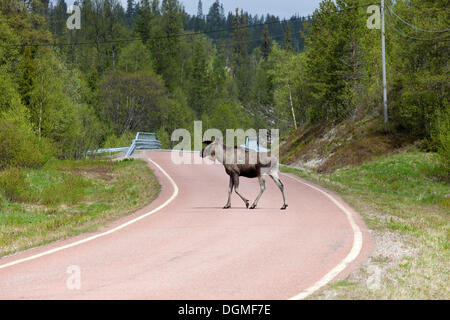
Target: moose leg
262	186
236	188
230	190
280	185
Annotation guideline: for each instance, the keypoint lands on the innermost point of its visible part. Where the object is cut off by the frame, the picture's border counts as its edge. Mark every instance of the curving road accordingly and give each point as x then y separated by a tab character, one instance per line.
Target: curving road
185	246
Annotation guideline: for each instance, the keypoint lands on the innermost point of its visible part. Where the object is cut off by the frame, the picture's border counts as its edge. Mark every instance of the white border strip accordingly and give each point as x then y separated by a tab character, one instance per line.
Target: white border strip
353	254
174	195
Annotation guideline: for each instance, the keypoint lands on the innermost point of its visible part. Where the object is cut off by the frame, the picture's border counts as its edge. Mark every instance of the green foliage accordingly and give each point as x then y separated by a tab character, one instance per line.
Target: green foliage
176	112
229	117
19	145
240	57
78	96
135	57
266	43
418	68
199	92
113	141
443	138
9	97
132	101
8	52
164	138
12	184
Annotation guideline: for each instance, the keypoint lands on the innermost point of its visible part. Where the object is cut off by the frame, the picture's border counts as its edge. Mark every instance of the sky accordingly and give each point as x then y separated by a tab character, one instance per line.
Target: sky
281	8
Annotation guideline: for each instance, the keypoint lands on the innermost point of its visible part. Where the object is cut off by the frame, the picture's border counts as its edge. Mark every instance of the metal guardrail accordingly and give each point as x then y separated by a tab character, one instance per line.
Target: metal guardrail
144	140
251	143
148	140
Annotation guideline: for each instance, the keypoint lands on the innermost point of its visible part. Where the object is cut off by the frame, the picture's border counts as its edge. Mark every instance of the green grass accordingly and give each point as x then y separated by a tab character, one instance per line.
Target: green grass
404	200
66	198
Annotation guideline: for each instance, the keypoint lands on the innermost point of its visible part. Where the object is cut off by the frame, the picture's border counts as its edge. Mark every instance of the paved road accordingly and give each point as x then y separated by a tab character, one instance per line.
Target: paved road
190	248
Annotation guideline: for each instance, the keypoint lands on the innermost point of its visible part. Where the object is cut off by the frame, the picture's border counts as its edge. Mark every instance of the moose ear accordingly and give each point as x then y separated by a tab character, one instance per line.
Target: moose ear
207	142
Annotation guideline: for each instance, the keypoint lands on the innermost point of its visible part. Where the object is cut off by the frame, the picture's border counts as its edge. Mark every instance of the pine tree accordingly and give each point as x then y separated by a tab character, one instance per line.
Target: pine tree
287	38
199	79
27	76
200	10
241	60
215	20
144	19
58	18
130	12
169	44
266	43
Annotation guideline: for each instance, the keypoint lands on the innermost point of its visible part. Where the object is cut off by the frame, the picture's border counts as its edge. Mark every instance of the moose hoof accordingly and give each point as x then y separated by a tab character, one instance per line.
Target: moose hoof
228	206
247	204
284	207
253	206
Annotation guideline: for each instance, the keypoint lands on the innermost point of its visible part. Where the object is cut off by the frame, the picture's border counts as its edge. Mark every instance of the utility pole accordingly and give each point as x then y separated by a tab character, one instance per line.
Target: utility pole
383	52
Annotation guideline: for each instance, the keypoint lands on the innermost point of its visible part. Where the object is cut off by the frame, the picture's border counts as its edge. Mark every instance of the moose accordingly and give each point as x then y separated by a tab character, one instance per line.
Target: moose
239	162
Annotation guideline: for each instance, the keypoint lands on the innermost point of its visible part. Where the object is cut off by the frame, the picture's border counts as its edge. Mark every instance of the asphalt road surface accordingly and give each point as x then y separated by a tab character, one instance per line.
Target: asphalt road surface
185	246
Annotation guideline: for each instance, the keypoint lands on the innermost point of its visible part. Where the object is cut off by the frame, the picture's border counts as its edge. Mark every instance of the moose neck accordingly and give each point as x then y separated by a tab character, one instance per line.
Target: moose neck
220	153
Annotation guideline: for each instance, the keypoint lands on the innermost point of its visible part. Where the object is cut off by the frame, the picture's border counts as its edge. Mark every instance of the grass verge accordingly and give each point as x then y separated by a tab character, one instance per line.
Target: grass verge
66	198
405	202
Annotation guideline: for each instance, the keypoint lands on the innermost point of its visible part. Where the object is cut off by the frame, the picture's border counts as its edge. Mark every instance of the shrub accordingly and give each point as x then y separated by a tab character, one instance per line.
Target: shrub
443	137
12	184
19	146
124	140
164	138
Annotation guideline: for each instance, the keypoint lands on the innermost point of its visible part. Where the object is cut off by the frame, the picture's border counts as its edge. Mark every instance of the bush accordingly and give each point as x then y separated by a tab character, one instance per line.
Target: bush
12	184
124	140
19	146
164	138
443	137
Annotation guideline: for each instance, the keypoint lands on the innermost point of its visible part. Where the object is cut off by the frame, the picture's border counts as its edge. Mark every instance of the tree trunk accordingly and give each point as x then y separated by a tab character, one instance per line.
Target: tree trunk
292	107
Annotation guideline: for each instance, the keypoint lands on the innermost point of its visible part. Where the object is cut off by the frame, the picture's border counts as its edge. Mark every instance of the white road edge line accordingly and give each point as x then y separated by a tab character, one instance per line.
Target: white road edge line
353	254
174	195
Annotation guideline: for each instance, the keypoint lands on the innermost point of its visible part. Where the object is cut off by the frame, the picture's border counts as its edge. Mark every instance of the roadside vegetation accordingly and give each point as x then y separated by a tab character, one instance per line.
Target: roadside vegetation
405	201
317	79
67	197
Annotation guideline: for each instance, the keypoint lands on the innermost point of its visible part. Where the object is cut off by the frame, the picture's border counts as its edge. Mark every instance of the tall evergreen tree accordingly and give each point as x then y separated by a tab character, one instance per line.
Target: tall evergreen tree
266	43
216	20
28	73
200	10
199	79
241	60
130	13
144	19
169	43
288	38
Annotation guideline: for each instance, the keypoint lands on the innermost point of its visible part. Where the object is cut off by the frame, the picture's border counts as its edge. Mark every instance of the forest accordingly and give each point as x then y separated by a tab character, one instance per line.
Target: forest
153	67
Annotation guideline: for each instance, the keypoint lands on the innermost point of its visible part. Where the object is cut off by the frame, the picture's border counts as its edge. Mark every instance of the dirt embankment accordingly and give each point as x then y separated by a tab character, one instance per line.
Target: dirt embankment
327	147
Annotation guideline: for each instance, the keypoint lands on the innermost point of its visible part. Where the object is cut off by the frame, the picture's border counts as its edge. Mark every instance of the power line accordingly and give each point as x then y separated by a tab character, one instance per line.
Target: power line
187	34
391	25
413	26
